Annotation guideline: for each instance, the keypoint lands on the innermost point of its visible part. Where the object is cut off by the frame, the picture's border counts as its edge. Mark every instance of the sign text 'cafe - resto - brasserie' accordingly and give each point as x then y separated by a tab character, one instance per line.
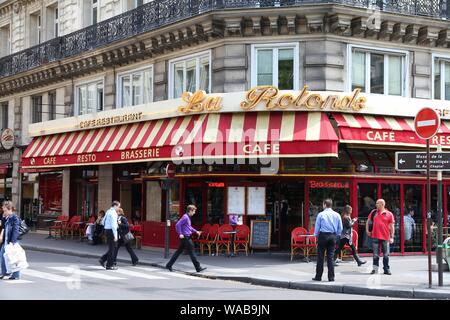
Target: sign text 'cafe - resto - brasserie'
354	113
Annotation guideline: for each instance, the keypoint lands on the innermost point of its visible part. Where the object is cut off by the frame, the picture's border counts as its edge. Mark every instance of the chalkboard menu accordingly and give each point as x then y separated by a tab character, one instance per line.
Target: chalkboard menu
260	234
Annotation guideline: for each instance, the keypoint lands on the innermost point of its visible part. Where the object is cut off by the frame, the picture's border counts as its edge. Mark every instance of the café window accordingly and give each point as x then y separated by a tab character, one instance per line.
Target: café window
136	87
36	109
376	71
190	74
275	65
441	78
319	190
89	98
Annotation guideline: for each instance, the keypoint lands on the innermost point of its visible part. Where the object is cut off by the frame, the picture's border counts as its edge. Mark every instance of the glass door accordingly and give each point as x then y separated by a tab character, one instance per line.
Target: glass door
367	195
413	220
391	194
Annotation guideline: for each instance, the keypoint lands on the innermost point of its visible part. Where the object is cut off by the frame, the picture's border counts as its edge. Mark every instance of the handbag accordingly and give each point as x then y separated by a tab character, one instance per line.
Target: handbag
23	229
128	237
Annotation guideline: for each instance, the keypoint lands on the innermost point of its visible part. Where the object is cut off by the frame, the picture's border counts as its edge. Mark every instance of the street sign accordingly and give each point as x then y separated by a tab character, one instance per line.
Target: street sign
417	161
427	123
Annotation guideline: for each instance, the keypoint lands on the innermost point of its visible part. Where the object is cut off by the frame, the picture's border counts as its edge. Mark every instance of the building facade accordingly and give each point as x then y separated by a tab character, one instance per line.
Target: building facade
95	93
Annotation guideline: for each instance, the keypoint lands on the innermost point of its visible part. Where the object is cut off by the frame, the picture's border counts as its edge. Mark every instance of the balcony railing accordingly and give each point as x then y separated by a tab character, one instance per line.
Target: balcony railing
160	13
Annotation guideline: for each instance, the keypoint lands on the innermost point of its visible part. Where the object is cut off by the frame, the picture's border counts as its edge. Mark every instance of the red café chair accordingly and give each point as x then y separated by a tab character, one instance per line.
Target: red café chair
58	226
212	237
242	239
224	239
136	230
67	226
202	240
347	247
73	226
298	241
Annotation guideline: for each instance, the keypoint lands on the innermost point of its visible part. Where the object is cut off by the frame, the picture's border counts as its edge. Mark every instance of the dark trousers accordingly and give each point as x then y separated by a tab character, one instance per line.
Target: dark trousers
342	243
109	256
385	248
326	241
130	250
185	244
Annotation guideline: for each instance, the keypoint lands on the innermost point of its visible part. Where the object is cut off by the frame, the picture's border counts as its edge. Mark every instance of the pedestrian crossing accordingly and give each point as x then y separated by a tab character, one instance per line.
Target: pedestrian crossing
71	274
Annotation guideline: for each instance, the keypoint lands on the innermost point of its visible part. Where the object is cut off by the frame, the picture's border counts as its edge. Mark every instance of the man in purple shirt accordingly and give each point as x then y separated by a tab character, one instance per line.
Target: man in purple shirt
185	230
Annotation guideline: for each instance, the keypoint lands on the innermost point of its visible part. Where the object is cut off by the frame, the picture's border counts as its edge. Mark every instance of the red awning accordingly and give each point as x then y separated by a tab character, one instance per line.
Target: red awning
384	130
207	136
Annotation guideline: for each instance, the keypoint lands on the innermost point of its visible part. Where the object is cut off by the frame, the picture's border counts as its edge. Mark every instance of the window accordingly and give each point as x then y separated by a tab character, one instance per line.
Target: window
90	12
35	28
441	78
275	65
52	21
36	109
5	41
52	105
89	97
136	88
132	4
4	114
190	74
378	72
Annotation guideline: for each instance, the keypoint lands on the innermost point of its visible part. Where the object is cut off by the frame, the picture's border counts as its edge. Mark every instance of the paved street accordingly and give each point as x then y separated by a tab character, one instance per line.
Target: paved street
55	276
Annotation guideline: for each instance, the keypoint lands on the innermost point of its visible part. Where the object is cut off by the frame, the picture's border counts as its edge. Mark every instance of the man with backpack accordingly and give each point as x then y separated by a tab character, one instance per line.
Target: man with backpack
380	226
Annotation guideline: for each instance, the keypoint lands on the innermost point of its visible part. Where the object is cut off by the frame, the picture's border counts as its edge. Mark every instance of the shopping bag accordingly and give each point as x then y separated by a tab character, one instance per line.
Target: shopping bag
15	258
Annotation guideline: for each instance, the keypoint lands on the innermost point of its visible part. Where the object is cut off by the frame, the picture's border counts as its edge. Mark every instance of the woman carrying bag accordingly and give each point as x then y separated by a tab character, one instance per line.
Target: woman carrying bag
125	237
11	234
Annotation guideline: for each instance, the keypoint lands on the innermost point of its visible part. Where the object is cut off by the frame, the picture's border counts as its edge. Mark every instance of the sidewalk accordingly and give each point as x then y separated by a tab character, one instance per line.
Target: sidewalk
409	279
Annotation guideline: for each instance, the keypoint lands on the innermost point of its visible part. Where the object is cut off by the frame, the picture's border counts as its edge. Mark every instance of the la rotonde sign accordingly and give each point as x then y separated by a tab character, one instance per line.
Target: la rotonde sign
257	99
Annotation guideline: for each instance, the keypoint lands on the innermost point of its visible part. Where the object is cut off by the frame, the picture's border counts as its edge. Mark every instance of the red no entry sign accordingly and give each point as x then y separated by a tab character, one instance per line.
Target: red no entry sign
427	123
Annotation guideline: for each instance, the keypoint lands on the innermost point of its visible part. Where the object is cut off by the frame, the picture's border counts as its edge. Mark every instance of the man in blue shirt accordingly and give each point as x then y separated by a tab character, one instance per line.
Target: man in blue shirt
328	228
110	226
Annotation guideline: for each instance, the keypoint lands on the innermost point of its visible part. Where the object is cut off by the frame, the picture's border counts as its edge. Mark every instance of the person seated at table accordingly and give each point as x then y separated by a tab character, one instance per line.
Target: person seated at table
96	230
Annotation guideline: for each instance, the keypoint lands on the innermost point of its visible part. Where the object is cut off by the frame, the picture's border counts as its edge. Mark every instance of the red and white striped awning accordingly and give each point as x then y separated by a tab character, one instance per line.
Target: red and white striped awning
206	136
385	130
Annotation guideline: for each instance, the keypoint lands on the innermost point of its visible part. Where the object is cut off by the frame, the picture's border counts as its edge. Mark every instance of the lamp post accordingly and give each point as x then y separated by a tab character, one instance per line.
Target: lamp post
166	185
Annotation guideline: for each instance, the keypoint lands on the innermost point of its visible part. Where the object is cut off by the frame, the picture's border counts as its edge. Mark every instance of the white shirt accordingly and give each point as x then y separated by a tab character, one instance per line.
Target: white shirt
110	220
409	225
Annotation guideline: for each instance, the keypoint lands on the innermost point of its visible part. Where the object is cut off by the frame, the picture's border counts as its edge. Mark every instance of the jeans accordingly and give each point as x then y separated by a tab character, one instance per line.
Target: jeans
185	243
15	274
326	241
376	253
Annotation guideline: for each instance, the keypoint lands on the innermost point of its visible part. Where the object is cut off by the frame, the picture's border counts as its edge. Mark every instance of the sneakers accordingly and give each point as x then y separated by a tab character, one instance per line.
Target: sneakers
134	263
9	277
388	272
374	271
102	263
201	269
316	279
169	268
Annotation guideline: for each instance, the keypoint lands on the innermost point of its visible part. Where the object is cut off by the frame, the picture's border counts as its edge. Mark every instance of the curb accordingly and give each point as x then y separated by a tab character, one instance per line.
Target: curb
307	286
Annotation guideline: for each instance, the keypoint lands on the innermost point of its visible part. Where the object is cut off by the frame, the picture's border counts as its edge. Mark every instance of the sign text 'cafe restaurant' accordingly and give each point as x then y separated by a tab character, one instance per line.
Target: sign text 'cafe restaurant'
264	154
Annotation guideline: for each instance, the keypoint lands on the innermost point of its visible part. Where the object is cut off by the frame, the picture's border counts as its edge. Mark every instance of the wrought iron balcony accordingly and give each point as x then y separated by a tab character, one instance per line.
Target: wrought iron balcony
160	13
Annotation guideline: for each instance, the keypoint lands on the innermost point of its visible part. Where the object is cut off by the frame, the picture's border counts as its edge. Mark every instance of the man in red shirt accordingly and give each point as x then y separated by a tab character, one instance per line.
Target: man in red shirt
382	234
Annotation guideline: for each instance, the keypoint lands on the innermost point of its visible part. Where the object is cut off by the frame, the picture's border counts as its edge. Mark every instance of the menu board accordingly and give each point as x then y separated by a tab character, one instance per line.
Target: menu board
236	200
260	234
256	201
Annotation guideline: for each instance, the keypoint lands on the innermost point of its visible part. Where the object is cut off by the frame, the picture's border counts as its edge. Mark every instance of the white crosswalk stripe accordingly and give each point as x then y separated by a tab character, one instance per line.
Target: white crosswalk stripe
131	273
45	275
91	274
18	281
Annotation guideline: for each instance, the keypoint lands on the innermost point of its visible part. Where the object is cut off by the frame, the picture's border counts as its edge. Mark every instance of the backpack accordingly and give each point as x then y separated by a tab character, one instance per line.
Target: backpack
374	214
